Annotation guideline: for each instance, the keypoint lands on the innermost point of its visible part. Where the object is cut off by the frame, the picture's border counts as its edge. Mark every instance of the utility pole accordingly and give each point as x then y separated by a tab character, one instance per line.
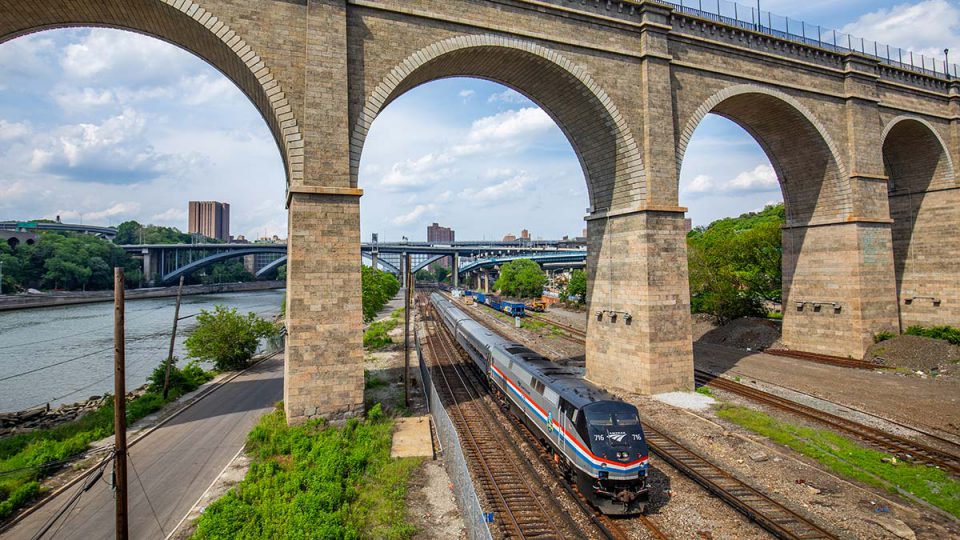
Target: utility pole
173	338
407	294
119	405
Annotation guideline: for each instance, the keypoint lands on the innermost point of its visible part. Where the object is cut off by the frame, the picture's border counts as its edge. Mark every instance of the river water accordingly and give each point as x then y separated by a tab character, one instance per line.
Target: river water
71	347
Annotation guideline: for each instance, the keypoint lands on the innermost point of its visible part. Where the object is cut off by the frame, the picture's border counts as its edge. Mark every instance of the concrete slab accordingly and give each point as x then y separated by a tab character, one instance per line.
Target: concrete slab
412	438
686	400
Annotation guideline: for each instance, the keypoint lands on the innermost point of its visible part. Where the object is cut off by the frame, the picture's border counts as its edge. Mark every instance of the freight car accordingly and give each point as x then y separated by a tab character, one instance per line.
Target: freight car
497	304
595	438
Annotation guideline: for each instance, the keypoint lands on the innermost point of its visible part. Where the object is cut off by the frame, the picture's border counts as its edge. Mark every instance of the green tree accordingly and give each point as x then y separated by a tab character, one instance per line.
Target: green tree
735	264
577	286
378	287
522	278
226	338
440	272
226	272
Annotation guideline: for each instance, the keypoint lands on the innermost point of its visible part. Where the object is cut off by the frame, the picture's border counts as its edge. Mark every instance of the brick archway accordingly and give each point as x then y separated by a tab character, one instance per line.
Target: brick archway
190	26
809	167
608	153
924	204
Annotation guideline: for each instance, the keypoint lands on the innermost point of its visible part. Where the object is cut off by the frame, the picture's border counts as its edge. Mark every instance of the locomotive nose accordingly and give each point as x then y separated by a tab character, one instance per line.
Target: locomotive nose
626	496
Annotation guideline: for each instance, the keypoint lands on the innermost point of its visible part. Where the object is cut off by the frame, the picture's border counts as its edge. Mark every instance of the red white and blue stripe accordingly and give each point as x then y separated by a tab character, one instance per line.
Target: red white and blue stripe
598	463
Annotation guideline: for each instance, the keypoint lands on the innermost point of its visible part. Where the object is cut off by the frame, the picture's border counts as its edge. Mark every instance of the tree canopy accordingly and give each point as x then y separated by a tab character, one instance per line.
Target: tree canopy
65	260
735	264
521	278
577	286
226	338
378	287
132	232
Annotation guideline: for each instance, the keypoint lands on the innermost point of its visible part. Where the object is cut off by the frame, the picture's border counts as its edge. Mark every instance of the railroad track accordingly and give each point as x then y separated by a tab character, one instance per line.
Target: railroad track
573	332
603	525
903	448
766	512
827	359
772	516
520	512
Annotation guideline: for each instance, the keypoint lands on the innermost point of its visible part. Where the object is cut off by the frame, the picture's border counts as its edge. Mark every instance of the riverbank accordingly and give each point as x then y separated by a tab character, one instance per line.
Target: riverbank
30	301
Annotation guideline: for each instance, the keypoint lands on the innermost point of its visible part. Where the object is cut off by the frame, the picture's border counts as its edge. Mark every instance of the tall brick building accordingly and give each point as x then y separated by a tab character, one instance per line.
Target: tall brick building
436	233
211	219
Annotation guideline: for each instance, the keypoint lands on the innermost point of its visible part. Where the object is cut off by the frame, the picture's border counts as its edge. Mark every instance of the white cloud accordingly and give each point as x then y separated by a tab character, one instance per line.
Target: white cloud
73	100
505	132
109	55
13	190
762	178
114	151
170	214
416	174
507	189
10	131
508	96
925	27
119	209
418	212
466	94
204	89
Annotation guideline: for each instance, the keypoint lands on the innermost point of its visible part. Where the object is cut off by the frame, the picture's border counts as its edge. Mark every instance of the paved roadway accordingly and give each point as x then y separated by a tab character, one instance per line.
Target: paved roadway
177	463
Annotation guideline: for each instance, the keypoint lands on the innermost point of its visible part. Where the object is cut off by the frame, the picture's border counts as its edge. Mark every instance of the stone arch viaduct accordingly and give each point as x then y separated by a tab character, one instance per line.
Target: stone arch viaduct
865	154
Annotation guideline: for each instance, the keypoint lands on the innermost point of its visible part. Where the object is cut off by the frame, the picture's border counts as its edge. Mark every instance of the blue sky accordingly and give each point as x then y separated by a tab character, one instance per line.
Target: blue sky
105	126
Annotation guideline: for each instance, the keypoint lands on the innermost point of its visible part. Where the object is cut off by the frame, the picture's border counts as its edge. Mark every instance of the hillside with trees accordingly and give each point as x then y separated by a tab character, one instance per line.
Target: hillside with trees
735	264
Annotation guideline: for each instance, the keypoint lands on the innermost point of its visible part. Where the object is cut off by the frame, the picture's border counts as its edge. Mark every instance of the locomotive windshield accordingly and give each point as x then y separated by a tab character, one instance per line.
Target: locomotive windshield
611	414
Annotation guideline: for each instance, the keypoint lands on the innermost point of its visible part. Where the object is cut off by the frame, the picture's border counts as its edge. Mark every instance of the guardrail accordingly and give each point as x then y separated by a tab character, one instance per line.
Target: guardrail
453	458
765	22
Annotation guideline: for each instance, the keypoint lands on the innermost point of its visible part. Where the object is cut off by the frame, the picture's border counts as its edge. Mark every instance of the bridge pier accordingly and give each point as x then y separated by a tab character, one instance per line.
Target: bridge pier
149	267
838	287
323	370
639	335
455	264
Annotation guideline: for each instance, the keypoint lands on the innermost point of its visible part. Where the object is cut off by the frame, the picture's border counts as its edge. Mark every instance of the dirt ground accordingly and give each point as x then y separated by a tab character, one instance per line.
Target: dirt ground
925	357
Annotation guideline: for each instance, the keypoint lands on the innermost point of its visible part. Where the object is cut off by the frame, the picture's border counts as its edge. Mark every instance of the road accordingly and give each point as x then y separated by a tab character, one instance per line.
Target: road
176	463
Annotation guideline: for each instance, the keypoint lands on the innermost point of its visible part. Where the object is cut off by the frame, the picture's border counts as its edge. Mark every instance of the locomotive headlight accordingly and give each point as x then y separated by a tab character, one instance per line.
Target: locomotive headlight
623	455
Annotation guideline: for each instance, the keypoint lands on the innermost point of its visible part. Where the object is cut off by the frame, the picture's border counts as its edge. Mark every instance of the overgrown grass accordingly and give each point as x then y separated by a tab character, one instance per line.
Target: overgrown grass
370	382
705	390
27	458
376	336
314	481
946	333
849	459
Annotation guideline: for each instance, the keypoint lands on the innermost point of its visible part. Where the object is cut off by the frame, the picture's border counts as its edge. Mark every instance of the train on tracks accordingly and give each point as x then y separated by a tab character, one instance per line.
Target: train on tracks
596	439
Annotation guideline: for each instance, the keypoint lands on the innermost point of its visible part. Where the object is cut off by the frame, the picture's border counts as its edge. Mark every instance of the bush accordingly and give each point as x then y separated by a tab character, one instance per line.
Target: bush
227	339
577	286
184	380
883	336
946	333
378	287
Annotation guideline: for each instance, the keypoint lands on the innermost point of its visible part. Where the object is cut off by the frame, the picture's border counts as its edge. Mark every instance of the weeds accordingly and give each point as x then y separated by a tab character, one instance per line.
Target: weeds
27	458
883	336
946	333
852	460
705	390
315	481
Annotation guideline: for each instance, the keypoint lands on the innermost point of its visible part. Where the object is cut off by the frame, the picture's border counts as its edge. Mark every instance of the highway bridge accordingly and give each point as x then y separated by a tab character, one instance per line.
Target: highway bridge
163	264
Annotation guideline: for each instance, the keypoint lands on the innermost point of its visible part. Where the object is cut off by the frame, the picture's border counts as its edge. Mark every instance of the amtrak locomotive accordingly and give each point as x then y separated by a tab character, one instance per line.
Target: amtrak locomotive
596	439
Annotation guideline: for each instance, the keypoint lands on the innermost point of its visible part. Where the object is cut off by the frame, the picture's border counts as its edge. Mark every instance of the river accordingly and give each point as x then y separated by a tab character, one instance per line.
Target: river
71	347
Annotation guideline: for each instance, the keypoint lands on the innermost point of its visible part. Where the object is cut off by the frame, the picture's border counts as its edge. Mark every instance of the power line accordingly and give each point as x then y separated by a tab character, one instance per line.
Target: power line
55	364
145	496
89	483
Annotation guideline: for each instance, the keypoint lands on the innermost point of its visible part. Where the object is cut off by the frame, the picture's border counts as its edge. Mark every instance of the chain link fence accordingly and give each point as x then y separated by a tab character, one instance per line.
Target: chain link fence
474	517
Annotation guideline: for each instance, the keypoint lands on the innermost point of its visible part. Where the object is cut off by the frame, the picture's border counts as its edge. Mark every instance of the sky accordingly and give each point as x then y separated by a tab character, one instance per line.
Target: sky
102	126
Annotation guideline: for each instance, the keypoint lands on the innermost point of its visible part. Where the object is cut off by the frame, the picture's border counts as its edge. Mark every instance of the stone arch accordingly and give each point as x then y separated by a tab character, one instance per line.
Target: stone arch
188	25
924	202
608	153
807	161
916	154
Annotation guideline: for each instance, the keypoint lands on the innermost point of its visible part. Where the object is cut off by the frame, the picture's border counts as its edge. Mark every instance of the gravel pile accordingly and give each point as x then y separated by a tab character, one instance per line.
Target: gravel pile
917	354
746	333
